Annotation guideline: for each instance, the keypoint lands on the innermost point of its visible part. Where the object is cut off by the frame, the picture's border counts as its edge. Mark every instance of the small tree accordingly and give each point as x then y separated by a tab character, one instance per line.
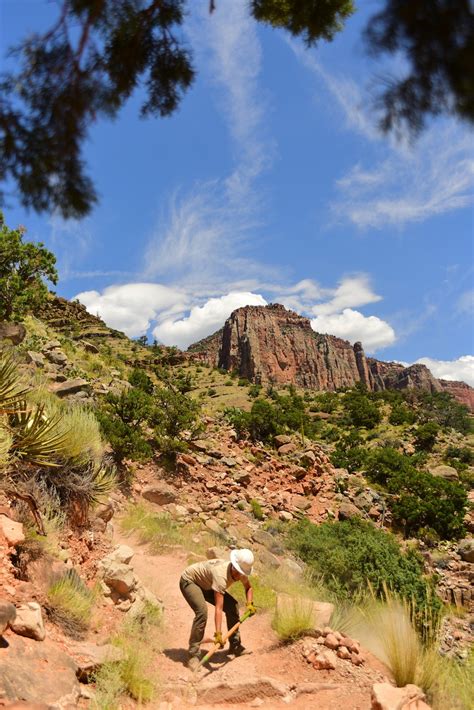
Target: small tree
23	266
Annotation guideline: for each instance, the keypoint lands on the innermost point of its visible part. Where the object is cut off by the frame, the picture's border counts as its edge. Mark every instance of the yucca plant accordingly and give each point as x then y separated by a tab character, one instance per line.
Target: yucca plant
37	439
11	387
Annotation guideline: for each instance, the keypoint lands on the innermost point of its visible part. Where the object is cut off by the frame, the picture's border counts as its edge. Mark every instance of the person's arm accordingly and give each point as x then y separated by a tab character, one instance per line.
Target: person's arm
219	599
248	591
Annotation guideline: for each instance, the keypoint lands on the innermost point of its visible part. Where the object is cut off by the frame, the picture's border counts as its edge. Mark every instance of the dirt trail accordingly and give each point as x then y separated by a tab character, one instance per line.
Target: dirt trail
284	665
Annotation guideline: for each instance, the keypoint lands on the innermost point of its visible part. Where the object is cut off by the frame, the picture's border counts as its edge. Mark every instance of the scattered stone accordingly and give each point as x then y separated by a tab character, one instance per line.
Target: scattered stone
7	614
286	449
89	347
325	661
348	510
90	657
241	477
216	553
285	516
121	555
243	691
145	602
120	578
15	332
35	358
160	493
442	471
331	642
214	527
29	621
308	459
57	357
229	461
466	549
290	568
267	540
282	439
387	697
12	531
64	389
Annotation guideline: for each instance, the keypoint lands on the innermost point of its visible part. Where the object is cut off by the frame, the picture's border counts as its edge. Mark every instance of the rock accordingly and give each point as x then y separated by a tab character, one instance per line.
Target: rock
7	614
15	332
214	527
89	347
106	511
229	461
98	525
216	553
285	516
241	477
331	642
268	560
64	389
160	493
301	503
348	510
287	449
51	345
344	653
32	672
57	357
240	691
291	569
325	661
466	549
281	440
442	471
145	603
267	540
308	459
120	578
387	697
12	531
35	358
89	657
121	555
29	621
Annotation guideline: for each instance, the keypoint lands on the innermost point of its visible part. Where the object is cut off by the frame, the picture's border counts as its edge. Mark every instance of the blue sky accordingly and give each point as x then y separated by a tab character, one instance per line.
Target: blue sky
272	184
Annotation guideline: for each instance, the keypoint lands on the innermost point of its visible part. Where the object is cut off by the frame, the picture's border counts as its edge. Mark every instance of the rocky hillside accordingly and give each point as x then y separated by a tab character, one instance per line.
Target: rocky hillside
270	344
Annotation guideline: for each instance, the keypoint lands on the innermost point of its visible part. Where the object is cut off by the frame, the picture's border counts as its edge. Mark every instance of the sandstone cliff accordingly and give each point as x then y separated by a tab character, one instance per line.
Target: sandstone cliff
270	344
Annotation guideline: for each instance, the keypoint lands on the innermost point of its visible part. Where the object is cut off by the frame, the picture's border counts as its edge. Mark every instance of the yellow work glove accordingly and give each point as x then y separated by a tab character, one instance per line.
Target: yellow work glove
218	639
251	608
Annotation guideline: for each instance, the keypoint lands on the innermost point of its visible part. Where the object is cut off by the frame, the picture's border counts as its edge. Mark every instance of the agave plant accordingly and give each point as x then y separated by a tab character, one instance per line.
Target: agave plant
34	453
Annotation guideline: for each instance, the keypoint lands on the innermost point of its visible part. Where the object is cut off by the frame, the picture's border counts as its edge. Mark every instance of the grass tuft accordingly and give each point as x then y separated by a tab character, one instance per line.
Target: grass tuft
157	529
293	618
70	604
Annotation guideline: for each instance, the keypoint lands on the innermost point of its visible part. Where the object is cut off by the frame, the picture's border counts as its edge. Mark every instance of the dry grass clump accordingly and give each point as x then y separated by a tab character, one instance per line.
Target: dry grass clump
157	529
293	617
130	676
70	604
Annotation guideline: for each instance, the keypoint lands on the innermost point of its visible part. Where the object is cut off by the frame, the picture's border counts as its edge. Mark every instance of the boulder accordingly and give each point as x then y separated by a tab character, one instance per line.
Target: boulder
442	471
145	603
282	439
89	347
388	697
64	389
121	555
267	540
466	549
241	477
12	531
287	448
160	493
35	358
38	672
57	357
308	459
285	516
217	553
90	657
290	568
7	614
15	332
120	578
29	621
324	661
348	510
214	527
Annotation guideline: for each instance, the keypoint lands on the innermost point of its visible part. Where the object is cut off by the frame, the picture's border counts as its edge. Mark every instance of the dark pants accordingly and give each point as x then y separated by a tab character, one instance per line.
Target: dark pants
197	598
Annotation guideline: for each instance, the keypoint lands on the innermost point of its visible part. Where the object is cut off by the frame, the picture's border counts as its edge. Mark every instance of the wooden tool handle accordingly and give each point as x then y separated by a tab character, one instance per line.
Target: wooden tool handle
217	646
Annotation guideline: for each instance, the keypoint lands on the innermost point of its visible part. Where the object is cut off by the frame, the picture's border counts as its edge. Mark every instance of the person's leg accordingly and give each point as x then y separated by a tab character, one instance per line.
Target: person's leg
195	598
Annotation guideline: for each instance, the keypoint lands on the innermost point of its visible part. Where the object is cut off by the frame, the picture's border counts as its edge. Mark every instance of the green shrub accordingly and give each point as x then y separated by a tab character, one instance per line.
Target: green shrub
211	392
139	379
401	414
325	402
425	436
254	390
125	440
351	554
256	509
349	453
444	409
362	411
175	419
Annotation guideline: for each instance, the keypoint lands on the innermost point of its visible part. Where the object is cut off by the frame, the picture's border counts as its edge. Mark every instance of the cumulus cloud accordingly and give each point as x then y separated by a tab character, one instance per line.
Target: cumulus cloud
203	320
352	291
373	332
132	307
461	369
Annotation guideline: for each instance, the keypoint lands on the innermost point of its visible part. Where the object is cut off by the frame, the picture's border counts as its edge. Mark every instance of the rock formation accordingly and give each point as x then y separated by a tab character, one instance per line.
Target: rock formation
270	344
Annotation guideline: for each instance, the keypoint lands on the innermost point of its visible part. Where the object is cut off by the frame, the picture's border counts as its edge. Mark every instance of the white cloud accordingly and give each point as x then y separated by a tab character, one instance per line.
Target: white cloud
405	182
351	325
352	291
203	320
132	307
465	302
461	369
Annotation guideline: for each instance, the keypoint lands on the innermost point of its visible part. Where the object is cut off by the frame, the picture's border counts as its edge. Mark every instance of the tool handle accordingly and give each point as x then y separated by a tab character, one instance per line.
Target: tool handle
226	638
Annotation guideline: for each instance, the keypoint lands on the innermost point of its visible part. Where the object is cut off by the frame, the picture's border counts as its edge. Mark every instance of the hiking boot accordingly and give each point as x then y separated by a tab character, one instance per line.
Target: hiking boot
238	650
193	663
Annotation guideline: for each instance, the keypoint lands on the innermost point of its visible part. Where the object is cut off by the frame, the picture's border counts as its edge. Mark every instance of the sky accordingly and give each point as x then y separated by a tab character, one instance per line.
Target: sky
271	184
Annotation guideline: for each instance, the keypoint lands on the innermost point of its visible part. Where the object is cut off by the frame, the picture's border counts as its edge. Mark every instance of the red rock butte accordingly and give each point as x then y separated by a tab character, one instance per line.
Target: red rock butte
270	344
